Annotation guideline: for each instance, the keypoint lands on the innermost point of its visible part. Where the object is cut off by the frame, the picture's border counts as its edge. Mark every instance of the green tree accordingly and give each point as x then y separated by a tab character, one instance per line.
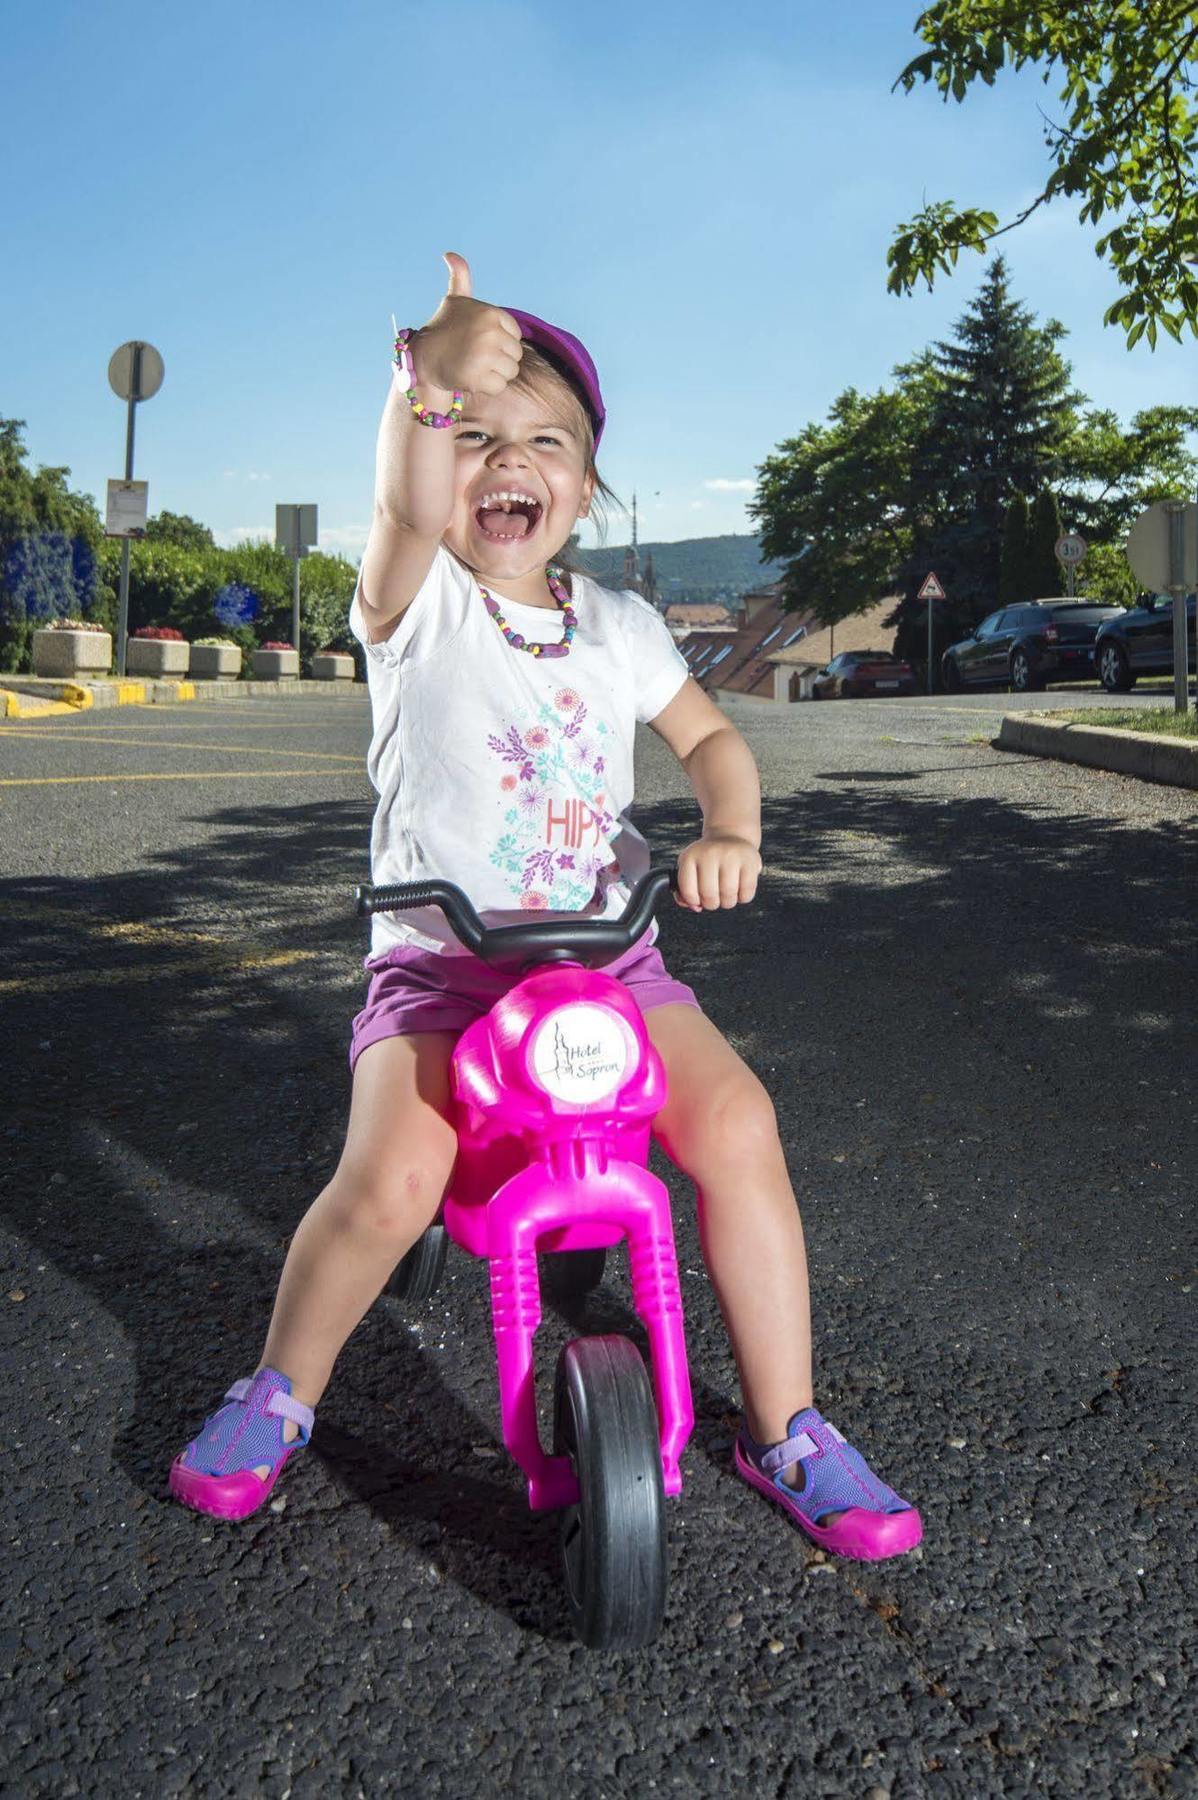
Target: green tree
1106	575
887	489
832	502
1047	576
49	543
180	529
1003	416
1130	141
1014	574
1110	475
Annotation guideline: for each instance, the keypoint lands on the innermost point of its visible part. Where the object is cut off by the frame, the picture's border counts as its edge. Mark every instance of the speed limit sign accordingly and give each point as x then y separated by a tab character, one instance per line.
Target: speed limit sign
1070	550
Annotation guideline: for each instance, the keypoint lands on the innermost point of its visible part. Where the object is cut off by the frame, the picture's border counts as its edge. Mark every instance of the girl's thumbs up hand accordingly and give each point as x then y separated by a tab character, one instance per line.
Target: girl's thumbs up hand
467	344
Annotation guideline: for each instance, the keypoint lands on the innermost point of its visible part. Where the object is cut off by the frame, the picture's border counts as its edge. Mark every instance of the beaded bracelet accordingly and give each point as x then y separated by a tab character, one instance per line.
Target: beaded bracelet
407	372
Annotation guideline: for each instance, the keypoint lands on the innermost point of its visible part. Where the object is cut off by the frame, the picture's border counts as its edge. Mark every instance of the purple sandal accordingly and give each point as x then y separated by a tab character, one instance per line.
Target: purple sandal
215	1473
874	1521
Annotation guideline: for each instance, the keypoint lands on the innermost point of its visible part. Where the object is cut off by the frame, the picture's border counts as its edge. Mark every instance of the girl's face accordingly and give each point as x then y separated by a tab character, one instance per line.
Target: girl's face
523	444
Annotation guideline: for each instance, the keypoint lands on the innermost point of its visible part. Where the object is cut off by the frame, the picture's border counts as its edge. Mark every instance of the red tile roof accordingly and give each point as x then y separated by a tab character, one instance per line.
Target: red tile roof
732	662
860	631
697	613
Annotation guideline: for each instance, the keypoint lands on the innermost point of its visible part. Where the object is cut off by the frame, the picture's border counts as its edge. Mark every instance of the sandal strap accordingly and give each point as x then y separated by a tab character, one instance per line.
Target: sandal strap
279	1403
287	1408
794	1450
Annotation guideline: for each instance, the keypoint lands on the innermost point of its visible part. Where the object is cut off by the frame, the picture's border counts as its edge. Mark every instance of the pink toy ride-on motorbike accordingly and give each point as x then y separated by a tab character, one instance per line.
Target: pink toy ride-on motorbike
554	1091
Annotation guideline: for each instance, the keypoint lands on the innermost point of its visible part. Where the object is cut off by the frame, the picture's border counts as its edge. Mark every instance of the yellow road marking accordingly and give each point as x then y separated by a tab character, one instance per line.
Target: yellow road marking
196	775
209	950
94	737
125	723
136	931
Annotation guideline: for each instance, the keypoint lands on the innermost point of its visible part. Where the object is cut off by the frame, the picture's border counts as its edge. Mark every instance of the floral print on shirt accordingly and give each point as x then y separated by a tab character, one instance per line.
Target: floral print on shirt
559	822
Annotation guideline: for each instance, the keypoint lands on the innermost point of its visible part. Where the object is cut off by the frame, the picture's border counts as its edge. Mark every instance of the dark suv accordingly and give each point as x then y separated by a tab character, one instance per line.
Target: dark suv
1022	647
1139	642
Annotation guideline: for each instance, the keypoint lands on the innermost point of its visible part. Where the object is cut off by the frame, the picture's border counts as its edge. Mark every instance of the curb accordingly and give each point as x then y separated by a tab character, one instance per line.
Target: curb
1150	756
14	707
50	696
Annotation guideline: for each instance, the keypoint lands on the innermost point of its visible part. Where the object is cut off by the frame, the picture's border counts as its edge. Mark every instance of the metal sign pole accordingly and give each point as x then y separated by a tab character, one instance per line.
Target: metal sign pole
929	605
122	634
1181	637
930	591
295	597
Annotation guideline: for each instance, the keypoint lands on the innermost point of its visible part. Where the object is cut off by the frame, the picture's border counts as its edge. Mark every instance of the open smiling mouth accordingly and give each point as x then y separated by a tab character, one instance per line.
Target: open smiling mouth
509	521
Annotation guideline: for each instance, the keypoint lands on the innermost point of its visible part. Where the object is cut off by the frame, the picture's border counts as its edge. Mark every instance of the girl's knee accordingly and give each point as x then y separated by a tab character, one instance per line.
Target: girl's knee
735	1123
389	1200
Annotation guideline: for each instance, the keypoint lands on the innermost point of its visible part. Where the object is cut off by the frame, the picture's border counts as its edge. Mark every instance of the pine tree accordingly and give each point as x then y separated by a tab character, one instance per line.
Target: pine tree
1014	574
1004	411
1046	572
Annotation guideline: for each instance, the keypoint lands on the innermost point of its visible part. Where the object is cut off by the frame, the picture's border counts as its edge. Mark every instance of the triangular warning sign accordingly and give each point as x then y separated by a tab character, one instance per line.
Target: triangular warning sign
931	590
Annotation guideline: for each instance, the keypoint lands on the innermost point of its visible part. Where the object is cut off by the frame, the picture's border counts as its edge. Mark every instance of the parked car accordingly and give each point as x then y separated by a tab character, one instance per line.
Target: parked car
1022	647
859	672
1139	642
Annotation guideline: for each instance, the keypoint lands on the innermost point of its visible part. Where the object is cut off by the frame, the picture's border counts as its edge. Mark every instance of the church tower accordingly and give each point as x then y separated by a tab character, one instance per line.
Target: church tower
649	583
632	565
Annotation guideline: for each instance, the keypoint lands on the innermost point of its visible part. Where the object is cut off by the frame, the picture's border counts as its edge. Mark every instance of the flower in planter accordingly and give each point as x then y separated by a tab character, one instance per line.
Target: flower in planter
216	643
274	646
162	633
75	625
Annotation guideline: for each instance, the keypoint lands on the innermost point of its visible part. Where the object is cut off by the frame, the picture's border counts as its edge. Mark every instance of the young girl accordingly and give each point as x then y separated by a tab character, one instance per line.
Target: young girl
506	687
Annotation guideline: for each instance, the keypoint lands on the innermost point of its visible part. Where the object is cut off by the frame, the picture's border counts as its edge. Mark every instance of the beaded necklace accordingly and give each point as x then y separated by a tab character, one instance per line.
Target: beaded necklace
564	606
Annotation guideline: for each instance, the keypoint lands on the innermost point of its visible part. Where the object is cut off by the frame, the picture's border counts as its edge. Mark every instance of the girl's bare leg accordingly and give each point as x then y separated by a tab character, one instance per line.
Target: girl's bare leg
718	1126
398	1157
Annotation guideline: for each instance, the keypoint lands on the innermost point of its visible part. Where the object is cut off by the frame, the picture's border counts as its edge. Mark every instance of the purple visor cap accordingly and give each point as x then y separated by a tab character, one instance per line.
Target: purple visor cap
570	357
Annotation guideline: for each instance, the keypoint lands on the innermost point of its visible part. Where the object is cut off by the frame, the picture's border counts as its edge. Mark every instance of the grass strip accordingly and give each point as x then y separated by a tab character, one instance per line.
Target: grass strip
1160	719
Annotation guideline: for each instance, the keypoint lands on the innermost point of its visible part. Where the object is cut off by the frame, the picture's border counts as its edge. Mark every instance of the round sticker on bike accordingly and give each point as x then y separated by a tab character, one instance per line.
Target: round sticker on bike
579	1053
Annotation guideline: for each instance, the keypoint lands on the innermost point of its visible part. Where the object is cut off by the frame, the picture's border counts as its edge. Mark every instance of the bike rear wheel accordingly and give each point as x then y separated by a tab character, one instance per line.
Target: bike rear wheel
416	1276
614	1541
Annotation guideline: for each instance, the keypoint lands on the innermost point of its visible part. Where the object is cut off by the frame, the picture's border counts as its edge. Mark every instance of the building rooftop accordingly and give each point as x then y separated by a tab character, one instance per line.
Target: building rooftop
736	661
861	631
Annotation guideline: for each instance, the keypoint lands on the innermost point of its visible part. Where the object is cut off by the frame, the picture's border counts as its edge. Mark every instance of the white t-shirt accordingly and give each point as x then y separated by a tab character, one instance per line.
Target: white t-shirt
506	773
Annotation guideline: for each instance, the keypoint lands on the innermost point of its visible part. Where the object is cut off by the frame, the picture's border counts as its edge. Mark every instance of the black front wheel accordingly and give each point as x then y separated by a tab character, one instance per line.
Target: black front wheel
614	1541
952	678
417	1275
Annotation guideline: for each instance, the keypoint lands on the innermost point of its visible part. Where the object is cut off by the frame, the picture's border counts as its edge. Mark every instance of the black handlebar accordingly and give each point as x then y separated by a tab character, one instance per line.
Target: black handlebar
591	942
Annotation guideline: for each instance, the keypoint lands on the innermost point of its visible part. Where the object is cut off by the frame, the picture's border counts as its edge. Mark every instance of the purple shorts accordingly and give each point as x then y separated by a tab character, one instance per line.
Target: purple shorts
426	990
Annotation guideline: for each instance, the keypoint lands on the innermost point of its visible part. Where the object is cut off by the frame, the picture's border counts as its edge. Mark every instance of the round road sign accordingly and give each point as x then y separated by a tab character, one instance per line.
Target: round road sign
120	371
1147	547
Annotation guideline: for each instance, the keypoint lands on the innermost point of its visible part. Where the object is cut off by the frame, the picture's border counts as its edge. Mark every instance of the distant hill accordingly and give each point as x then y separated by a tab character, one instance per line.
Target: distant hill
701	569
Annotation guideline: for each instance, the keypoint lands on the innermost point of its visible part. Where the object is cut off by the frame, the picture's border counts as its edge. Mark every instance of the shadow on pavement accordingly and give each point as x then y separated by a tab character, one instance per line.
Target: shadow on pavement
981	975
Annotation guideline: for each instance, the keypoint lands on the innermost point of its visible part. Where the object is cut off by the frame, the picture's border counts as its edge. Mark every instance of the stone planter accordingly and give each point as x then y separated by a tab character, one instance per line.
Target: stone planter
156	657
332	665
215	662
69	653
276	665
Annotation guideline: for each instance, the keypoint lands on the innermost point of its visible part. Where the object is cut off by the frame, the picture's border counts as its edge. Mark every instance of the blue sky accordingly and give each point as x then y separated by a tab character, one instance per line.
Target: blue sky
704	194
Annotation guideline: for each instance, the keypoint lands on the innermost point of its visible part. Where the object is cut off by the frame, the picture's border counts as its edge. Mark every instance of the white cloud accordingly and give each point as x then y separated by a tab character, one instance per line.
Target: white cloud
246	475
730	487
346	540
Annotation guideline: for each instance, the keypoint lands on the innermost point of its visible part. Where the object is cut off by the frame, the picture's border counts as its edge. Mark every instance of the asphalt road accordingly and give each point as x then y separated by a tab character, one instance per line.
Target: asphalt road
968	982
